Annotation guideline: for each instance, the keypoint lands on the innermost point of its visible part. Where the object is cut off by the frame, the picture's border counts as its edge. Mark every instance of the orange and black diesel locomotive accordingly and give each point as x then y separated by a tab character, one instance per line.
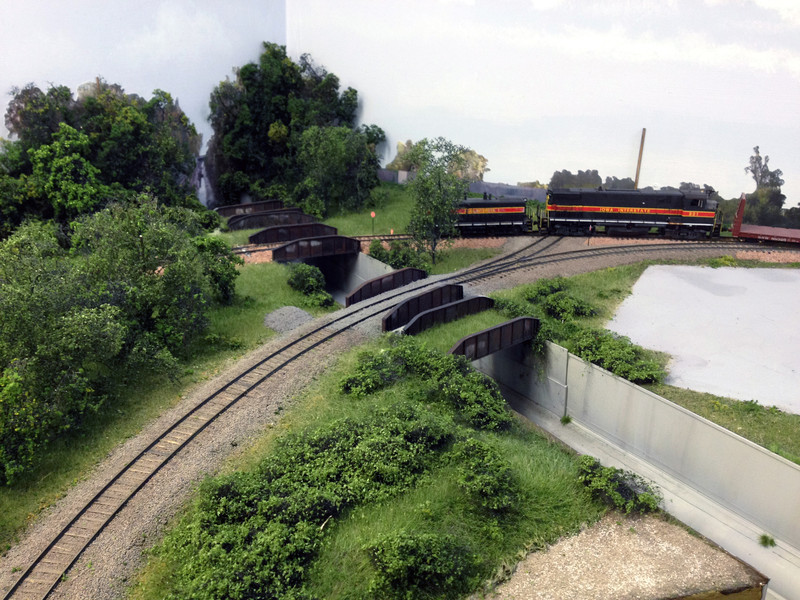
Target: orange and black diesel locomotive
671	213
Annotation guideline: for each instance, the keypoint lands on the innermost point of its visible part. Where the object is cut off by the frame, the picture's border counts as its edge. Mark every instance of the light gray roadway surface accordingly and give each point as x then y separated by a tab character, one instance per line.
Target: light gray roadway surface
731	332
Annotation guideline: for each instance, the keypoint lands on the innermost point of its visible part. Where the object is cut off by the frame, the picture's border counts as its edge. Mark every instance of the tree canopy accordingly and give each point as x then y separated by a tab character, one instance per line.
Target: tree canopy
761	173
765	205
437	189
69	157
128	290
273	125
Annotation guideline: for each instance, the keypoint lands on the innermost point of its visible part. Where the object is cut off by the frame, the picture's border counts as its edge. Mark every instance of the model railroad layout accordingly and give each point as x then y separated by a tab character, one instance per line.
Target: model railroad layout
43	575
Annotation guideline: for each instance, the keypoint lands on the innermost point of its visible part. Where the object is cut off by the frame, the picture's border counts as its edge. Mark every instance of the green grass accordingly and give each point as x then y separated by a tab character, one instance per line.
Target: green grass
553	502
769	427
455	259
443	337
235	329
392	213
551	506
766	426
238	237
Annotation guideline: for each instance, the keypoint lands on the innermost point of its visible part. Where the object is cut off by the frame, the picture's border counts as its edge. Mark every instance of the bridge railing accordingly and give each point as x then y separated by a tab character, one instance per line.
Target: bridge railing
407	310
287	233
447	313
385	283
268	218
248	207
329	245
496	338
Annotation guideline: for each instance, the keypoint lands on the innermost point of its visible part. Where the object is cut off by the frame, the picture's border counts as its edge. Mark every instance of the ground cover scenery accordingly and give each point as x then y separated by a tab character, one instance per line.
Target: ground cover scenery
119	292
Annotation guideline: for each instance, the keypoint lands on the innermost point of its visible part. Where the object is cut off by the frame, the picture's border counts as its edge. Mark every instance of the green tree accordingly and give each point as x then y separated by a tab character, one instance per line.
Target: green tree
259	145
340	169
69	154
63	175
761	173
437	191
583	179
127	291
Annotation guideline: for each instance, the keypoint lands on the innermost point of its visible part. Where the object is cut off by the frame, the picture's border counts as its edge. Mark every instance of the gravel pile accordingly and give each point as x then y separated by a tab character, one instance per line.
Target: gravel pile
287	319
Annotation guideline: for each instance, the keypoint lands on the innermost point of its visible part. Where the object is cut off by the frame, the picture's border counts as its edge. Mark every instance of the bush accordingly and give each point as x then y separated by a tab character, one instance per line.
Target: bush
544	288
420	565
485	476
618	355
446	378
400	255
623	490
564	307
306	279
254	535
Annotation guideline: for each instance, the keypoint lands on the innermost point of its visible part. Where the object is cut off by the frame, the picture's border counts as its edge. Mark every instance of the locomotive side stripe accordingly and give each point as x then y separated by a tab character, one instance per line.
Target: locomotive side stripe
677	212
492	210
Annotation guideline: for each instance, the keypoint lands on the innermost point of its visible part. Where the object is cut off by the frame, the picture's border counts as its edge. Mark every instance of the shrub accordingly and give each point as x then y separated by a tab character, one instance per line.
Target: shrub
485	476
446	378
622	490
420	565
378	252
253	535
544	288
563	307
618	355
512	309
372	373
399	255
306	279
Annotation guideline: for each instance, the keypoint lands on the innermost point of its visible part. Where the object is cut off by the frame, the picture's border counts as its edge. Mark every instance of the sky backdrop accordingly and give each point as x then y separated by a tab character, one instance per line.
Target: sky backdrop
533	85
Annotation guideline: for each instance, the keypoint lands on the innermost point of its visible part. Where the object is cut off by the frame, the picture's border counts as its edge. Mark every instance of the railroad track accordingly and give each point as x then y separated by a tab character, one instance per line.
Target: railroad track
43	575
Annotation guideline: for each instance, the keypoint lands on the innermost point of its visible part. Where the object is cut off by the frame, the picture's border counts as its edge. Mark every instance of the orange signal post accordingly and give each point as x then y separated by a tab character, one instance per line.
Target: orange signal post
372	214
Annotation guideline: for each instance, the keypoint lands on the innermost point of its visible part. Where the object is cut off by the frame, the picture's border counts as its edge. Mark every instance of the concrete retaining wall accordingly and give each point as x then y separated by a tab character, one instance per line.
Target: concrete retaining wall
743	478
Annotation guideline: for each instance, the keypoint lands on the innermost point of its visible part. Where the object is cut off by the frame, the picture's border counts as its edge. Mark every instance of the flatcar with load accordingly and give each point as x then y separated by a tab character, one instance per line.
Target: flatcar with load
670	213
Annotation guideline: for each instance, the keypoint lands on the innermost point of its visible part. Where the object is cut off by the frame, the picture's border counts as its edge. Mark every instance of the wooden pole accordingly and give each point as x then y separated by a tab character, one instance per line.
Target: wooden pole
639	163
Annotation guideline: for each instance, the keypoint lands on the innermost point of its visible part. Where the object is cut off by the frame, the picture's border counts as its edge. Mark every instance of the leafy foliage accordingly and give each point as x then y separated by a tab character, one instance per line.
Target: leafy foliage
130	292
448	379
399	255
420	565
618	355
254	535
486	476
560	311
437	190
72	157
625	491
310	281
284	129
340	170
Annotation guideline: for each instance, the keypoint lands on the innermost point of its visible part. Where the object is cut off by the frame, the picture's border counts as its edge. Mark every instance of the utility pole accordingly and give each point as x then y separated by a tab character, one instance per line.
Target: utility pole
639	163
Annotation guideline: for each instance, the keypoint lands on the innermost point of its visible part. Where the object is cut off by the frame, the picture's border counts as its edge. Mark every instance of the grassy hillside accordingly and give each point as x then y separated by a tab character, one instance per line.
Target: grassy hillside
401	469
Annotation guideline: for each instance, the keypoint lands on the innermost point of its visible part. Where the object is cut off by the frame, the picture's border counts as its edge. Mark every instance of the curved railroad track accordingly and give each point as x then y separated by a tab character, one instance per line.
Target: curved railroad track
47	570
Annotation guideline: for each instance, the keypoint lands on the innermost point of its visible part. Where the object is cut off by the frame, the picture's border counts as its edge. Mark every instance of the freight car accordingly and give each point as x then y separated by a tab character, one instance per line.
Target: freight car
671	213
478	216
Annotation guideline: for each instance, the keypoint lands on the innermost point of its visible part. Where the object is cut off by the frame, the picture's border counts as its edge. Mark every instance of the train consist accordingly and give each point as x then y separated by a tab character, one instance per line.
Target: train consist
677	214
